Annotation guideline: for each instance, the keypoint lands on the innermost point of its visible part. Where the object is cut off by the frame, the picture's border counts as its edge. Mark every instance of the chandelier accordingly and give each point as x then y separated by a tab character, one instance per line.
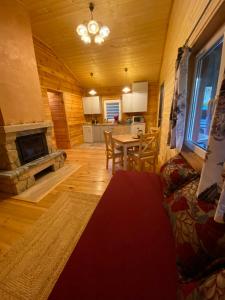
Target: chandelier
92	30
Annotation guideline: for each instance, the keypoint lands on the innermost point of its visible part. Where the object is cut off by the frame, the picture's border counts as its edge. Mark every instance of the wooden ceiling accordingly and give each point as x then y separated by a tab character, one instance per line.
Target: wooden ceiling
137	38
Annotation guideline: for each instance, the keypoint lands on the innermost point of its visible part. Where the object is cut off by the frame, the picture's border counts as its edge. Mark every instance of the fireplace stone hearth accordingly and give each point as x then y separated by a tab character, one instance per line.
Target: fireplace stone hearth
16	174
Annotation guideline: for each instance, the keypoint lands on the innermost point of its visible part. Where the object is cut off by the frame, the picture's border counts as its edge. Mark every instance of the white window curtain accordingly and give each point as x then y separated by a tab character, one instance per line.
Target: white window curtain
215	156
179	101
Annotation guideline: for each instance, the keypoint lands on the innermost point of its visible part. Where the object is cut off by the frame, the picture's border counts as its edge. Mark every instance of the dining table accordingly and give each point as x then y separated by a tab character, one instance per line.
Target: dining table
126	141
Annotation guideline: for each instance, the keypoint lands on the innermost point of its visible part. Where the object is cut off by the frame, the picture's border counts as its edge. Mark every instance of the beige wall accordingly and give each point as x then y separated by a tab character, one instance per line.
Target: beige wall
184	15
20	95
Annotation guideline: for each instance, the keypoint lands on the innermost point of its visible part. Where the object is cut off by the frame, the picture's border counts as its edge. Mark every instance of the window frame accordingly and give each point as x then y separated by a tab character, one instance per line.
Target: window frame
112	101
219	35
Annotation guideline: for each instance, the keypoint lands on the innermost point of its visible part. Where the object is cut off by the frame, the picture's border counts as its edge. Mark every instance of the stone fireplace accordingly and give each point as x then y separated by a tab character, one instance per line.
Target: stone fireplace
26	150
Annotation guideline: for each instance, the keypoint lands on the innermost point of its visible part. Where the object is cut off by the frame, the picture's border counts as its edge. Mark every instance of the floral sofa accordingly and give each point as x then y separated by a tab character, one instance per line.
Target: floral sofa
199	240
131	249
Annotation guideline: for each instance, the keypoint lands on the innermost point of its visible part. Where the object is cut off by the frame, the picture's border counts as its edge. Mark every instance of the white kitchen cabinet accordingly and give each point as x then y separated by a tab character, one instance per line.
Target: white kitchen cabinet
140	96
137	101
97	134
91	105
88	133
127	103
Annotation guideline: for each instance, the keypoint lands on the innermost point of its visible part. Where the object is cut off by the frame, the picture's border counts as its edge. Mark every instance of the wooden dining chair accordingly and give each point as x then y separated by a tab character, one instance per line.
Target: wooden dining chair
113	151
156	132
146	155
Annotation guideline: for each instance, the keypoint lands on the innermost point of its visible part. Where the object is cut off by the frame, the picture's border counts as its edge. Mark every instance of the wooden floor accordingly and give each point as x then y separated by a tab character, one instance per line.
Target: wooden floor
17	217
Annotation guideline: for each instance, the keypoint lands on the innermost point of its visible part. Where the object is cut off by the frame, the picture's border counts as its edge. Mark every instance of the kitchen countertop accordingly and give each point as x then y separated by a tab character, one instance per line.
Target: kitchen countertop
106	124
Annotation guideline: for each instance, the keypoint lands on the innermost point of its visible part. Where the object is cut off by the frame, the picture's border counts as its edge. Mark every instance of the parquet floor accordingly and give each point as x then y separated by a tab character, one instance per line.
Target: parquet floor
16	216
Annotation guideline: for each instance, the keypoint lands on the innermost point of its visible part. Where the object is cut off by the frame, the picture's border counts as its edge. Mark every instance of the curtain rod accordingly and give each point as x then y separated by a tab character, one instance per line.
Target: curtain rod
202	14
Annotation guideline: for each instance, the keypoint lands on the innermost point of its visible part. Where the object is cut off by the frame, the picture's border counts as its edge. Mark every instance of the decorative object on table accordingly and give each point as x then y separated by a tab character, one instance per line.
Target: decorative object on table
92	30
116	119
178	108
139	133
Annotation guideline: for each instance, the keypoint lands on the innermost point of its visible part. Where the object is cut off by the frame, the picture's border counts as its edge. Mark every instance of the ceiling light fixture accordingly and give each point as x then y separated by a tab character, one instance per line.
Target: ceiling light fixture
92	28
126	89
92	92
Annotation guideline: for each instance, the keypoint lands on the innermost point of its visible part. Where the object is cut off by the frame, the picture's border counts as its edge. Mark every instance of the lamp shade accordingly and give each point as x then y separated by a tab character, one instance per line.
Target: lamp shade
126	89
92	92
104	31
82	30
93	27
86	39
99	39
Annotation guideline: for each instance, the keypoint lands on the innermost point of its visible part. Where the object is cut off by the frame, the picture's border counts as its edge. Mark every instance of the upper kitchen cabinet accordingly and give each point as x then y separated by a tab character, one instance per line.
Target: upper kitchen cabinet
137	101
127	103
91	105
140	96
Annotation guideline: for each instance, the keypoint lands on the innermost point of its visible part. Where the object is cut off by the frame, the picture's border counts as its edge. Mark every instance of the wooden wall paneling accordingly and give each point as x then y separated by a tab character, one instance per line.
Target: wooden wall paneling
184	16
75	117
151	116
55	76
58	113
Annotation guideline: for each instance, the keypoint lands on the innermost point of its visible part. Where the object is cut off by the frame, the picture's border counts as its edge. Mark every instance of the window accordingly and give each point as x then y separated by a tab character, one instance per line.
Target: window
112	108
205	88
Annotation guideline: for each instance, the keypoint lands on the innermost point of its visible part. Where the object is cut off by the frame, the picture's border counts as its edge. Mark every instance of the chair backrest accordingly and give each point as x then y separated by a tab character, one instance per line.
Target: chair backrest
156	132
108	141
148	144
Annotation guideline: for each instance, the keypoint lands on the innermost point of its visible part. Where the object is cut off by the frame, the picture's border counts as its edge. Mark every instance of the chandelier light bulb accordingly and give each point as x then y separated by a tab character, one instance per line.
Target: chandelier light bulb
93	27
104	31
92	92
126	89
82	30
98	39
86	39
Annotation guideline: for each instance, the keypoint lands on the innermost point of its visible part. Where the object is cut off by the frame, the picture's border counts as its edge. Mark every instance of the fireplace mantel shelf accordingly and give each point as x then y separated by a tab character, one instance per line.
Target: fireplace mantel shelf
24	127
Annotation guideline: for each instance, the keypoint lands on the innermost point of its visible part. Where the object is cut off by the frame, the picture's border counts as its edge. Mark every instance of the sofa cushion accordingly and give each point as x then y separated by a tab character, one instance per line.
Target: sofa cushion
199	240
175	173
209	288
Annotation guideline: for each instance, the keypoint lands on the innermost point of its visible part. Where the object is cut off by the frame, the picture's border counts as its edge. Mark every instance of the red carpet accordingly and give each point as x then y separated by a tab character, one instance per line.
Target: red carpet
126	251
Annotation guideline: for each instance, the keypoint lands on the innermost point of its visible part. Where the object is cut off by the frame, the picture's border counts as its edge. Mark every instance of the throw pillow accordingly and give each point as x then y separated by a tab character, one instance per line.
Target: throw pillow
175	173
